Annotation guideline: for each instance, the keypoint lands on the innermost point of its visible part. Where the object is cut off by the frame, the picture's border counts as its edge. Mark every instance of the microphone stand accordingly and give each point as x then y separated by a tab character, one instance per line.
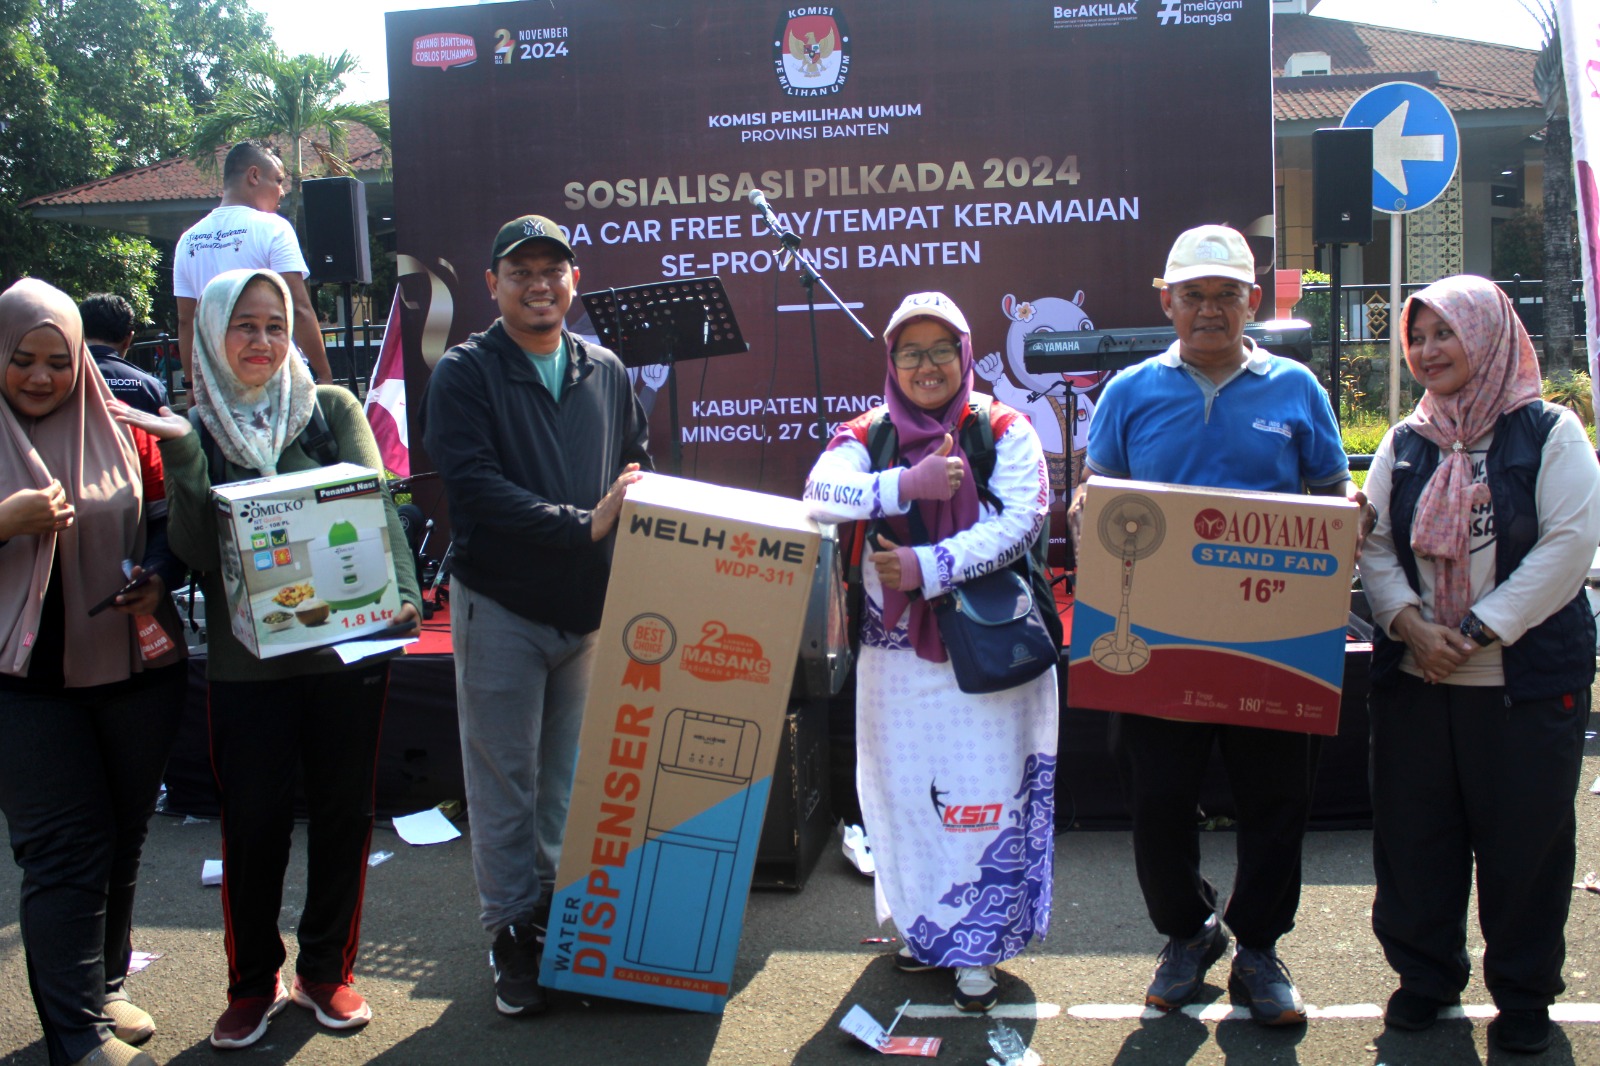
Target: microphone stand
809	277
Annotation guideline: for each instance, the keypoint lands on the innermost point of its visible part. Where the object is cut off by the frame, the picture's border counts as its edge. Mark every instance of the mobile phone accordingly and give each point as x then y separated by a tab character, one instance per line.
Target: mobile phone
111	600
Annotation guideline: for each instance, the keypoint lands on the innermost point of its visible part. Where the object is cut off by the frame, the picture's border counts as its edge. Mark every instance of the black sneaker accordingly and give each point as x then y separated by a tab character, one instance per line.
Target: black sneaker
1182	965
515	959
1525	1031
1413	1011
1264	982
906	962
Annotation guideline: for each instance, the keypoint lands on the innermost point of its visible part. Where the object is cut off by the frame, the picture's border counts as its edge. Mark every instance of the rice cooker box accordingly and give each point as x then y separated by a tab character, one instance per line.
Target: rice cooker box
691	677
1212	605
305	558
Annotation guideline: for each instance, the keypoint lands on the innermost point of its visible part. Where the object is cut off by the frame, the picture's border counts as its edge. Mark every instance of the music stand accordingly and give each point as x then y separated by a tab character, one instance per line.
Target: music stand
666	322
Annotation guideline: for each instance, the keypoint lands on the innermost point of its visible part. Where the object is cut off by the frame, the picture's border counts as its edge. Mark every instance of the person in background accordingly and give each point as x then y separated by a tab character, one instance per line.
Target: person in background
537	435
1215	410
108	330
305	708
245	231
962	900
1488	503
86	717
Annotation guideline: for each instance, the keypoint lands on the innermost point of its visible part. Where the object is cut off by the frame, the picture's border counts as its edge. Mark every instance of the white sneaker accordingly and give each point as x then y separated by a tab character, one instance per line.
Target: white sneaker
976	988
858	851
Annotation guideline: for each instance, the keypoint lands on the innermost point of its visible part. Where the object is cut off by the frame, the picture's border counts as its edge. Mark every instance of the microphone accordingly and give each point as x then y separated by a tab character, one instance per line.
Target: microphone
758	200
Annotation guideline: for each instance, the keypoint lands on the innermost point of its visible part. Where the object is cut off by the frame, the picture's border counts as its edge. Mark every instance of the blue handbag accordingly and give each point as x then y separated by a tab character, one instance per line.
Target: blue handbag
993	633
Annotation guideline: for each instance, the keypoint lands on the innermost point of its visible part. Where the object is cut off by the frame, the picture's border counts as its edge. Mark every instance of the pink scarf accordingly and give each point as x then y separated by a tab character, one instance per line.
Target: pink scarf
1504	376
94	459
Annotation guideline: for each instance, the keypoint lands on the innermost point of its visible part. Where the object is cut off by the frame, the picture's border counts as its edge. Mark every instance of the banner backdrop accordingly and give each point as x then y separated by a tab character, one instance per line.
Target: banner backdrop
1032	160
1579	23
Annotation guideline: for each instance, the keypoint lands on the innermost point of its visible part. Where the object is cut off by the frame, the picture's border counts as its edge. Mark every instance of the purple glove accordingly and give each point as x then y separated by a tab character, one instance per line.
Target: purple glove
910	568
929	479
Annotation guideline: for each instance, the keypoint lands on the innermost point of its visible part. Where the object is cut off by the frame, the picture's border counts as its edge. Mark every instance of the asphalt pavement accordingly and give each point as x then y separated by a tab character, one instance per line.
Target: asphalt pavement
1074	998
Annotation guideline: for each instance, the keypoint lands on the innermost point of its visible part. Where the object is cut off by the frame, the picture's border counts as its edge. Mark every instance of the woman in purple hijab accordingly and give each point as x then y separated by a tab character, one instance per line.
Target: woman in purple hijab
956	788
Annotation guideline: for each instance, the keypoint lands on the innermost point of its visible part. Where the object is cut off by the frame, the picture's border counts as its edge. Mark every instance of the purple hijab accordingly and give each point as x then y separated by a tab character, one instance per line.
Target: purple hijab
920	432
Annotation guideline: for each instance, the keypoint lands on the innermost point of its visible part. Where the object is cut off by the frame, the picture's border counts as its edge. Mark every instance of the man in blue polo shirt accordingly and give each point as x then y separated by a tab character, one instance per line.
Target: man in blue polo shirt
1215	410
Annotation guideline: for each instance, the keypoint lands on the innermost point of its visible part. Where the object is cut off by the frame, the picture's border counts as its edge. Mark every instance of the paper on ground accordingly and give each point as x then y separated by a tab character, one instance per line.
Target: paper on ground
356	650
865	1028
425	827
211	872
138	960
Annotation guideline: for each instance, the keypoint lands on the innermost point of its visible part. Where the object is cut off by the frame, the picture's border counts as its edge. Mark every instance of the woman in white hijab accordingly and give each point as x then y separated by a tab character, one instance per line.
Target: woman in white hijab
87	713
254	398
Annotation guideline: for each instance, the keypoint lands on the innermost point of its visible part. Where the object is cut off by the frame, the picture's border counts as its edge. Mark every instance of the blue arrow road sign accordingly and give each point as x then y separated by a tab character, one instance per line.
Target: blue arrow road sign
1415	145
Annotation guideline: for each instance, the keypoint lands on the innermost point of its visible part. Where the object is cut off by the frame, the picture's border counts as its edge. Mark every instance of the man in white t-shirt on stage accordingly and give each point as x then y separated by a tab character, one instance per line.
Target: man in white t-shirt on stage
245	231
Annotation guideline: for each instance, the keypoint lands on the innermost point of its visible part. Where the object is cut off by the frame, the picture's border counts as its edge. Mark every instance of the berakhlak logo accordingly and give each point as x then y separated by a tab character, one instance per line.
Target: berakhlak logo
1210	524
811	50
1171	11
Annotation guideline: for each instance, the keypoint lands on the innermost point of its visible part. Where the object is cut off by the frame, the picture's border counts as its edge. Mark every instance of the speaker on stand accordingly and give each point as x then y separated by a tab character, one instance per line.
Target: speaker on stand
337	249
1341	214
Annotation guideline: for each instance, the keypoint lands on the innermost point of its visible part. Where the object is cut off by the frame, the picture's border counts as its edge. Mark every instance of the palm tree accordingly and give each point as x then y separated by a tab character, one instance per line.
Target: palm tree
290	99
1550	81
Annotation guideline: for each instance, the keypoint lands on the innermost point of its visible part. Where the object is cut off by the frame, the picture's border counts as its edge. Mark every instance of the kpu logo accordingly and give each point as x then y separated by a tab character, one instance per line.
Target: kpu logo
811	50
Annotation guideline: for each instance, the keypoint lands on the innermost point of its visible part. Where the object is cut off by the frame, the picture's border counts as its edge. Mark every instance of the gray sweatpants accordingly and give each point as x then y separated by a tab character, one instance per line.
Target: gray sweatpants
520	689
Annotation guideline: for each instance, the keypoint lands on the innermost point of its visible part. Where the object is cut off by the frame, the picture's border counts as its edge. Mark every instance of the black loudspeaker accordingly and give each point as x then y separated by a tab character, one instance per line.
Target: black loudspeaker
336	230
1341	186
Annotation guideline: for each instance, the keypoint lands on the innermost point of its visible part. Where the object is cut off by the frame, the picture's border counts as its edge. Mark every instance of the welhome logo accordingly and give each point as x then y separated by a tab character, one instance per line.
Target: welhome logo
742	545
1262	529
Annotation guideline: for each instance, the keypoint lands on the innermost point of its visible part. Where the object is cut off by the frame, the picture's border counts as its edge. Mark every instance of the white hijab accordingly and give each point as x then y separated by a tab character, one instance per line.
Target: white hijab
252	426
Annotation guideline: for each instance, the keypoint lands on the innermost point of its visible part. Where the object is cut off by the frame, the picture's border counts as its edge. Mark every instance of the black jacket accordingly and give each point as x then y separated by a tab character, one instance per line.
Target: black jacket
1557	655
523	472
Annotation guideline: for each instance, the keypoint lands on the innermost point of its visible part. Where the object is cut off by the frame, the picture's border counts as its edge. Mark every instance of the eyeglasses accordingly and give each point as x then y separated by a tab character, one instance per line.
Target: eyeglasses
938	355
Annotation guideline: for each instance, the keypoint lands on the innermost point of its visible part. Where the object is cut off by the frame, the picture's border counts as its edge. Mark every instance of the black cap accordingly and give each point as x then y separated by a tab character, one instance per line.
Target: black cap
519	231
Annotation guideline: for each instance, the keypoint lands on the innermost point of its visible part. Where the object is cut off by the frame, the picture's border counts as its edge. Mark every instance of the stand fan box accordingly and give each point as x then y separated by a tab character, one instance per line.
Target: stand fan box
1212	605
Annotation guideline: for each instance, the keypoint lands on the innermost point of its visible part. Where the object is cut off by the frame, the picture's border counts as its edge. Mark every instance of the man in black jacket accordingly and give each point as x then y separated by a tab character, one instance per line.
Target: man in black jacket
537	435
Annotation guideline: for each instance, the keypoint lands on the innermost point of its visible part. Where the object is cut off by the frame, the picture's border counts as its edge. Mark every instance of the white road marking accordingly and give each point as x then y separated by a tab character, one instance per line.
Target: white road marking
1023	1011
1562	1013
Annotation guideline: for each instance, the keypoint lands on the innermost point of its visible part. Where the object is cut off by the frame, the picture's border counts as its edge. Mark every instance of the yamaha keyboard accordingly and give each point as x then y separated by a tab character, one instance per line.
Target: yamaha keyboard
1102	350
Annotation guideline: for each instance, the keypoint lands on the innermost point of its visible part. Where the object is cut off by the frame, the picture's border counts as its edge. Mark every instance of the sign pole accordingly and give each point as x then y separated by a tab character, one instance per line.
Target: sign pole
1396	238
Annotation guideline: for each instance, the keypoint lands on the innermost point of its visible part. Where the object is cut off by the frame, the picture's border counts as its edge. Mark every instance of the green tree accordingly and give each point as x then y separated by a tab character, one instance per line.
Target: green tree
291	100
91	87
1549	80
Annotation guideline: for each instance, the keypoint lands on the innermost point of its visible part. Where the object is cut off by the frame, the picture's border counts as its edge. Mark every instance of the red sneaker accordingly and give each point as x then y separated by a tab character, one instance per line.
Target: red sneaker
337	1006
245	1020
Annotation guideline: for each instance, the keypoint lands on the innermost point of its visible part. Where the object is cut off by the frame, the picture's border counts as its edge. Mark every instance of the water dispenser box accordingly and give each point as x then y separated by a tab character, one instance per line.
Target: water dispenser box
305	558
1212	605
691	679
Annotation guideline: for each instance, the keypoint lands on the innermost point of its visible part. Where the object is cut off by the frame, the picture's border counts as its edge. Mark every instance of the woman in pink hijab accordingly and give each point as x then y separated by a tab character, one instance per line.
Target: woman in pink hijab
1488	503
90	700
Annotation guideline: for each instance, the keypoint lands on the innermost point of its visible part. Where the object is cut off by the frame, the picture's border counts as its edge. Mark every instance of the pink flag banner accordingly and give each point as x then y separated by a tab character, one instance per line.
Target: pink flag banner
386	399
1579	24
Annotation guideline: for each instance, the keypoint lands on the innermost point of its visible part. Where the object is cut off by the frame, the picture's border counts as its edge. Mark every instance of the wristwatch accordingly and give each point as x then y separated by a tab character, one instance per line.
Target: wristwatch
1472	629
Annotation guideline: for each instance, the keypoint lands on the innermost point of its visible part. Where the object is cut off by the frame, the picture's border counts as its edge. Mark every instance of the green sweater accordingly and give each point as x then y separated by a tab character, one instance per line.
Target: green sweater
192	533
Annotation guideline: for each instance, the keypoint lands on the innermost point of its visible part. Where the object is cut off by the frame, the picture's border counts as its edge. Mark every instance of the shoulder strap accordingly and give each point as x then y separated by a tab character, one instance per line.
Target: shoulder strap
209	448
977	441
317	439
882	440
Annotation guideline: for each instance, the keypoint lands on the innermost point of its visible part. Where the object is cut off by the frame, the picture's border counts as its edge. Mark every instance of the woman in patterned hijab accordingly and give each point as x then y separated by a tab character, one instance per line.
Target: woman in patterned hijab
1488	505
